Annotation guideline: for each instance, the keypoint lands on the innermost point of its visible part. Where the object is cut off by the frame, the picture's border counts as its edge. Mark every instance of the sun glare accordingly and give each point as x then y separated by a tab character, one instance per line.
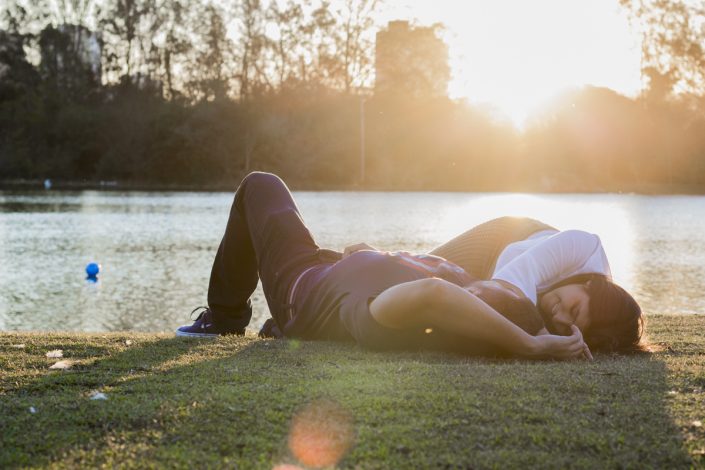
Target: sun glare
515	55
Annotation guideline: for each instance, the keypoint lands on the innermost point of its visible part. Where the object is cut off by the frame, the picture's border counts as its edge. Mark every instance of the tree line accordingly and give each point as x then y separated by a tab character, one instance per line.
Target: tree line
198	93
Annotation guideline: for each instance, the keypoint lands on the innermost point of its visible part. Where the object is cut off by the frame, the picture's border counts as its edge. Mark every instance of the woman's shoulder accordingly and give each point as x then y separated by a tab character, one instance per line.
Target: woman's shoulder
577	236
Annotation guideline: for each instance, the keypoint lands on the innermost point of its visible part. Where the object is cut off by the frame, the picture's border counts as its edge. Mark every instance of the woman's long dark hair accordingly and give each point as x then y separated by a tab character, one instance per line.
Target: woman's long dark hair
616	320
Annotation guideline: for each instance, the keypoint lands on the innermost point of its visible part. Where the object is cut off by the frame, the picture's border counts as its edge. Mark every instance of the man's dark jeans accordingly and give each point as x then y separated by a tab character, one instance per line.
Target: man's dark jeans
265	239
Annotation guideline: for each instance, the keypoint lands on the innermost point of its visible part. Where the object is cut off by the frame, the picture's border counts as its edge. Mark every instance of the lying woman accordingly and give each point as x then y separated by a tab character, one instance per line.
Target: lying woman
379	299
565	273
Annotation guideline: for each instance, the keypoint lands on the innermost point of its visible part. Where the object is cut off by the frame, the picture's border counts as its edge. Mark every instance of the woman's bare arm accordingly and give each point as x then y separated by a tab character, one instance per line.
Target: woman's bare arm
441	304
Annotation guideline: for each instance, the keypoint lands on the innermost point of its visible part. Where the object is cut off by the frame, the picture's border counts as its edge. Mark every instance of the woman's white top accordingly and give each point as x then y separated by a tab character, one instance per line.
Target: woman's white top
548	257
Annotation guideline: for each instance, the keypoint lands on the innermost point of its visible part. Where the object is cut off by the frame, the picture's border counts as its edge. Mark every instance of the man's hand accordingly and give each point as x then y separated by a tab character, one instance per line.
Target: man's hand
349	250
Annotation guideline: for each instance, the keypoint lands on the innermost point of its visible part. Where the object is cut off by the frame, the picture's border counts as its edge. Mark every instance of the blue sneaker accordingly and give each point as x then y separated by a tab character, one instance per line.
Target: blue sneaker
205	327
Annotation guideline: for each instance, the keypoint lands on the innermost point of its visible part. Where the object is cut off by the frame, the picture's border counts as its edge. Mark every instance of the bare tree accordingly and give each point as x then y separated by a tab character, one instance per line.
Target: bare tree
288	44
176	45
130	27
251	73
214	50
355	41
73	12
340	38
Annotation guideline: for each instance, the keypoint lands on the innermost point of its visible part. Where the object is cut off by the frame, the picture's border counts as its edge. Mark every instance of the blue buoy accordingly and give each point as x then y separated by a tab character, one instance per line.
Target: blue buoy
92	270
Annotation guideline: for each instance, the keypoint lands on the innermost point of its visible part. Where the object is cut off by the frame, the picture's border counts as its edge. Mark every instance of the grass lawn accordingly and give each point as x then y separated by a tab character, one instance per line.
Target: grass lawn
249	403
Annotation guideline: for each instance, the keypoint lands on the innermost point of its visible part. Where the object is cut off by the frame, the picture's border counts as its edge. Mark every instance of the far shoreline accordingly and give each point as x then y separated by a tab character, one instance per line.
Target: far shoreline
71	185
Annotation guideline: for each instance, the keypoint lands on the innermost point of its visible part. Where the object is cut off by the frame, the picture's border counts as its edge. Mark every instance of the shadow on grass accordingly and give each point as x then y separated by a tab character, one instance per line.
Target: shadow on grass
177	403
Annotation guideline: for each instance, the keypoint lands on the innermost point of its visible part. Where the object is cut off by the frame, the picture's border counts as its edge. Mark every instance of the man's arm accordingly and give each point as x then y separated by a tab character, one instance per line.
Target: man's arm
510	302
441	304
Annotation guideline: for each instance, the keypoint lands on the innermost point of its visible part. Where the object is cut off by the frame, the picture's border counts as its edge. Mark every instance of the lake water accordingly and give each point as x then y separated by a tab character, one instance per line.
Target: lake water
156	248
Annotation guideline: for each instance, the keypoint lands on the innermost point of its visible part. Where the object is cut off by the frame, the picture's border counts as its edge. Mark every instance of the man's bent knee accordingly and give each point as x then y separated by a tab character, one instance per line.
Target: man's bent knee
258	182
260	178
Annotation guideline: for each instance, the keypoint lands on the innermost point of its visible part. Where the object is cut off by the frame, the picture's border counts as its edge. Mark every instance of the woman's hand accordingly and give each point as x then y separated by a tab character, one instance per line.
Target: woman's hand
562	347
349	250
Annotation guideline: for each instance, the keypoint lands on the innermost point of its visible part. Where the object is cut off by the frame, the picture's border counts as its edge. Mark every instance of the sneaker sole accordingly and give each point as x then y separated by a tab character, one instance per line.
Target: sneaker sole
196	335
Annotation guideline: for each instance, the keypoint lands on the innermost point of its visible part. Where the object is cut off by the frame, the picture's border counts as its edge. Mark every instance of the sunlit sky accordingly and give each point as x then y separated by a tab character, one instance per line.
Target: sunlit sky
514	55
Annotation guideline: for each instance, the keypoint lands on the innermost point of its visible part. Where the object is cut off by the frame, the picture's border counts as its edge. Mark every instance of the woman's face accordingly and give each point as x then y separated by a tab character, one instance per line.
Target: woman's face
565	306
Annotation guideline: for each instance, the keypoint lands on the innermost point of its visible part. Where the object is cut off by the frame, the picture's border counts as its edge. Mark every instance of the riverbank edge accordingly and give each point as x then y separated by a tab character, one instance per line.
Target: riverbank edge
229	402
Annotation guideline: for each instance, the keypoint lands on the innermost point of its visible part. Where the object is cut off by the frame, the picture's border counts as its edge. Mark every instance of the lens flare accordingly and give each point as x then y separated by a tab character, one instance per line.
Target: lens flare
321	433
